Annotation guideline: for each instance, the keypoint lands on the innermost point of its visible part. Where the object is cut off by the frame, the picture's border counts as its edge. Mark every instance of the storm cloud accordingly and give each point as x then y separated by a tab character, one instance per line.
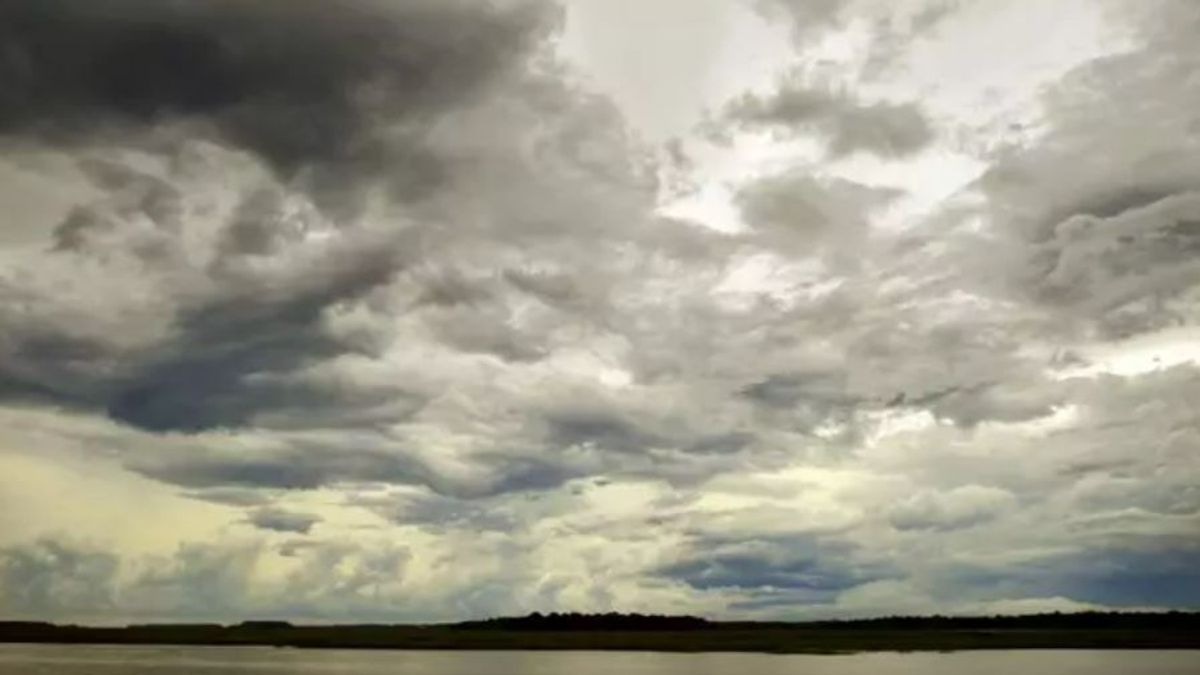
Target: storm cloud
212	191
299	83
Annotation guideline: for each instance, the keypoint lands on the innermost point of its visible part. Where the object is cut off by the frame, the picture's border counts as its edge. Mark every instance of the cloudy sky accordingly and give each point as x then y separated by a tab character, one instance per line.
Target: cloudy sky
417	310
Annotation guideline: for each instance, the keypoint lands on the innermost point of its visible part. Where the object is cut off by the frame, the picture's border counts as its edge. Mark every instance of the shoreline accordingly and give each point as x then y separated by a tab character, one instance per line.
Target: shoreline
596	650
715	640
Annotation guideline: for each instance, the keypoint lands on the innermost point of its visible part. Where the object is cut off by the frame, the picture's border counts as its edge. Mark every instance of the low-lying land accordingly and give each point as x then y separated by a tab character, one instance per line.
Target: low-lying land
1171	630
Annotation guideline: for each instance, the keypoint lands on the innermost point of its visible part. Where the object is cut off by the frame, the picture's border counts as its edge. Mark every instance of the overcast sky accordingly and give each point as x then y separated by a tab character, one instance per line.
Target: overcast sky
399	310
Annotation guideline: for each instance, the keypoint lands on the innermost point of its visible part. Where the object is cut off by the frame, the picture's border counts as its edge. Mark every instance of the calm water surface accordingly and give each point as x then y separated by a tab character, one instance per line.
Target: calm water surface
93	660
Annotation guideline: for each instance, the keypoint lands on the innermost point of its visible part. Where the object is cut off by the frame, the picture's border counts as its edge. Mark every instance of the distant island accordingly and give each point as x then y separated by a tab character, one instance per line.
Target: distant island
640	632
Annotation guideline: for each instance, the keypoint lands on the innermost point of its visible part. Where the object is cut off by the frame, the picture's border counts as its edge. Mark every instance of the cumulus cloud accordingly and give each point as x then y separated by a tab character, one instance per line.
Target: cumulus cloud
211	268
798	209
201	582
848	125
53	578
961	507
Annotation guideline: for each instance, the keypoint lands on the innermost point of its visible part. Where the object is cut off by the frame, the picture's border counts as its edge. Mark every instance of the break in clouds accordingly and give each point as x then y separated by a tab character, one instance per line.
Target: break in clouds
372	310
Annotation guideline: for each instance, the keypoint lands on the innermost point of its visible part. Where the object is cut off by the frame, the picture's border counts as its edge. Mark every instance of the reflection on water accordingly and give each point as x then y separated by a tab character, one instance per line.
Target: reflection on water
100	660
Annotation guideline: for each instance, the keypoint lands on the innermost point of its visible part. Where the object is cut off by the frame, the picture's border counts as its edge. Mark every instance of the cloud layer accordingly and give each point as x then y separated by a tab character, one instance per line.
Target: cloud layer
380	296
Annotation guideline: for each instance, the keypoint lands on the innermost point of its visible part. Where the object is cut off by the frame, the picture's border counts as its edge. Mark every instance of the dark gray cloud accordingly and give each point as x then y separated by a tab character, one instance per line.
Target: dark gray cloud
246	274
808	400
847	125
798	211
293	465
786	391
603	428
283	520
300	83
331	95
200	383
205	329
335	97
806	569
439	513
1148	574
231	496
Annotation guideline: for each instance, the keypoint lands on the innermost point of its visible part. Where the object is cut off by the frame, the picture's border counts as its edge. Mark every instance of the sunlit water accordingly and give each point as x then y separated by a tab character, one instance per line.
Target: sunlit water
99	660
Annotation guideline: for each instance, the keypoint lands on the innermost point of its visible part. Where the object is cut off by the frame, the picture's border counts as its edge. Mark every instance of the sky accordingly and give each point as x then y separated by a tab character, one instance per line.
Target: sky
426	310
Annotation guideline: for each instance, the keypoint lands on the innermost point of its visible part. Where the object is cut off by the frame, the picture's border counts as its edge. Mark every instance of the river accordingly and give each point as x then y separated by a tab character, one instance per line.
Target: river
123	660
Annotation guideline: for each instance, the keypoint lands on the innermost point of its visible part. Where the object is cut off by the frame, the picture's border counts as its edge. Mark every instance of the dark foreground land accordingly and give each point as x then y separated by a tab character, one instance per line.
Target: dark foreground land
1173	630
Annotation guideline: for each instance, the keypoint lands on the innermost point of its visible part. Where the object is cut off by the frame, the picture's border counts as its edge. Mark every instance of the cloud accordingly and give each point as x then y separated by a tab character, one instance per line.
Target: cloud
1058	207
1114	577
231	496
820	569
891	28
200	582
299	83
849	126
1121	268
280	520
809	212
810	536
285	463
808	16
440	513
208	282
50	577
156	319
961	507
453	319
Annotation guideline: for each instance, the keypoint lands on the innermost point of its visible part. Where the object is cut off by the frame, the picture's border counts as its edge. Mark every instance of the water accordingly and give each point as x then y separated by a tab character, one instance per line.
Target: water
103	660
